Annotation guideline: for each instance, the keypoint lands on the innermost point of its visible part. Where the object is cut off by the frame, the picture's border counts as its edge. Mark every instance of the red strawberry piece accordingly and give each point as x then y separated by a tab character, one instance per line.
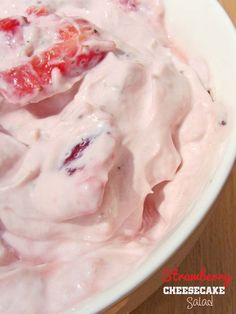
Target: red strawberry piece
23	78
38	11
12	24
87	61
9	25
75	153
44	63
67	32
32	81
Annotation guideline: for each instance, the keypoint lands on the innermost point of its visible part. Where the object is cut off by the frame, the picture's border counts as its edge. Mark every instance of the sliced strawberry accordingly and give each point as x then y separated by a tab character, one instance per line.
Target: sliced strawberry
44	63
74	154
23	79
87	61
38	11
9	25
69	54
12	24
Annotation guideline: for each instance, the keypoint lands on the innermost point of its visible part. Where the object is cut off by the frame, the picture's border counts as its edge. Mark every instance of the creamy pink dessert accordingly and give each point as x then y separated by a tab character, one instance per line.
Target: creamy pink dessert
107	134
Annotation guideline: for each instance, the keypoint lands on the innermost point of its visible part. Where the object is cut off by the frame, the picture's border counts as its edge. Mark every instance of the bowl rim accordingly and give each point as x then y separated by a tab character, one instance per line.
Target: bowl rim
183	230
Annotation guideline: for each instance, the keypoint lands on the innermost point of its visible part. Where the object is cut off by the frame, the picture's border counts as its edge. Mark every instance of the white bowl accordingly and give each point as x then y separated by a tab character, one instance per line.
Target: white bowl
203	29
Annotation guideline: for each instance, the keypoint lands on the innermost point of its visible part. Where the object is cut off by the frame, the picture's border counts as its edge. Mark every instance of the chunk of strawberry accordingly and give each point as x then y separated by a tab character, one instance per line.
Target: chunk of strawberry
87	61
44	63
68	32
69	54
75	153
12	24
38	11
23	79
9	25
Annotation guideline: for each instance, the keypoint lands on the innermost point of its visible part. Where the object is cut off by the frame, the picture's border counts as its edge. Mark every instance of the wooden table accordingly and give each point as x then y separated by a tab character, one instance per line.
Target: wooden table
230	6
216	248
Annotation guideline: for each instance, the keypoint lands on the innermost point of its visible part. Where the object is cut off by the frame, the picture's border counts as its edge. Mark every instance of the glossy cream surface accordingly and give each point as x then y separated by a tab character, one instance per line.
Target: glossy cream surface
72	228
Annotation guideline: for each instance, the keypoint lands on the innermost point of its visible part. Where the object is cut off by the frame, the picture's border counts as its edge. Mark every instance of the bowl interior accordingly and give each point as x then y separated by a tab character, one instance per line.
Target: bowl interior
203	29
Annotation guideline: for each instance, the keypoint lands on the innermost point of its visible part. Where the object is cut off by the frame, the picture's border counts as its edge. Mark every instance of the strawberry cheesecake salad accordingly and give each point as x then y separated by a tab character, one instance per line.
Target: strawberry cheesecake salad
107	133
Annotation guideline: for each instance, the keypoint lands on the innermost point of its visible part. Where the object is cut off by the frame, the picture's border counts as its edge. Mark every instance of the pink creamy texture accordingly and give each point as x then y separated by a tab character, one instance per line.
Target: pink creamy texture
91	179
